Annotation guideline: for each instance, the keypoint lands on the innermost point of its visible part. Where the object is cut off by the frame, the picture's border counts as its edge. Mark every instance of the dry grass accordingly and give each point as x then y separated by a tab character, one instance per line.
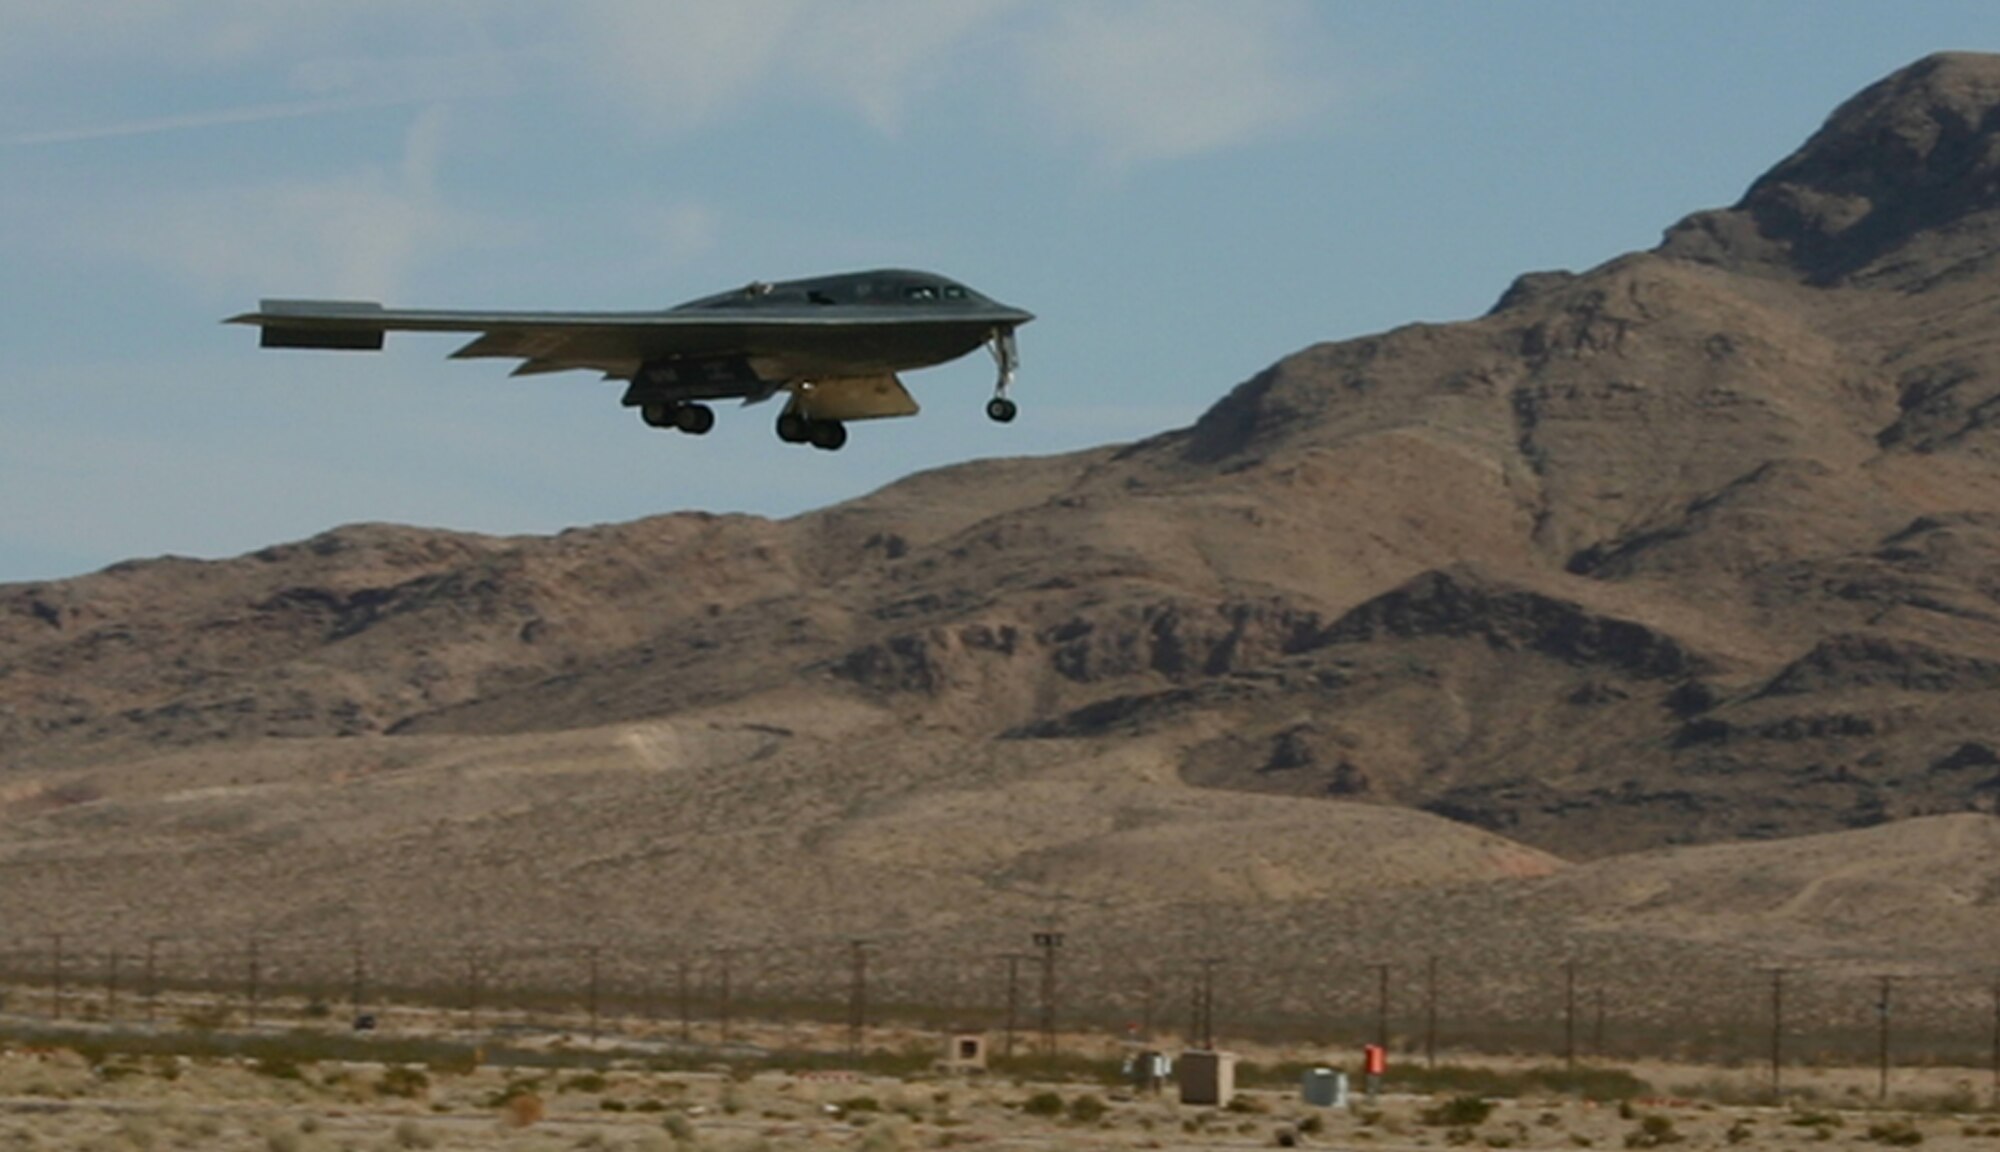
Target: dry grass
53	1100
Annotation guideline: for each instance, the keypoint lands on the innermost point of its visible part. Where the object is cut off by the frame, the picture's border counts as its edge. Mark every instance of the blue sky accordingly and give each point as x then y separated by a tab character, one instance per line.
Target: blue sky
1183	191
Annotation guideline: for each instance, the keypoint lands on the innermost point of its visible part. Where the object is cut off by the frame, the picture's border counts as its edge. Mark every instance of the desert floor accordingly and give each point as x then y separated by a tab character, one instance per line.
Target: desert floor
56	1099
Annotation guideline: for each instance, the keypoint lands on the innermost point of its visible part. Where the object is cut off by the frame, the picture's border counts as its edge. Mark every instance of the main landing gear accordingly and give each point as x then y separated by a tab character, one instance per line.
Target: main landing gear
826	435
693	419
1008	358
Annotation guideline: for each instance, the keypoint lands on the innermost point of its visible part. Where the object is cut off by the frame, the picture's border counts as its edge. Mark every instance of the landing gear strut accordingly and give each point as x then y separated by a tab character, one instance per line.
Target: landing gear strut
693	419
1008	359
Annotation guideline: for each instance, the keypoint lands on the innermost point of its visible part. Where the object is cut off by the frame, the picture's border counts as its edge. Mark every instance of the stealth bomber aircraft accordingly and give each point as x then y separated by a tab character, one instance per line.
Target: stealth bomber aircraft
833	344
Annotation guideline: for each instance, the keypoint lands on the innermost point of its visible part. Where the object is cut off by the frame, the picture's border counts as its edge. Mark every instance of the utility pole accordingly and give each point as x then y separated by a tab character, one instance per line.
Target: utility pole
857	998
1048	942
722	999
472	989
1014	1004
56	973
358	977
1597	1026
1996	1039
1777	1032
251	981
1569	1015
1382	1006
682	993
1431	1011
111	985
1204	1002
1882	1039
591	953
152	982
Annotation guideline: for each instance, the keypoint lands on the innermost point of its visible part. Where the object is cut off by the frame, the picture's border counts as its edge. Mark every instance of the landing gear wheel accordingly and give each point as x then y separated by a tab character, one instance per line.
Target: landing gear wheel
694	419
827	434
657	415
1001	410
793	428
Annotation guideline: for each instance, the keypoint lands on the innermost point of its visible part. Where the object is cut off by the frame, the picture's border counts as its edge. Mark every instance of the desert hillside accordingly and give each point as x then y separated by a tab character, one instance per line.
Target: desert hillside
1434	629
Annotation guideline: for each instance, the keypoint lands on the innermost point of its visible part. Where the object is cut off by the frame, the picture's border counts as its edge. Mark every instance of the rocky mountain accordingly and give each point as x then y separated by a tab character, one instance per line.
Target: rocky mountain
1698	546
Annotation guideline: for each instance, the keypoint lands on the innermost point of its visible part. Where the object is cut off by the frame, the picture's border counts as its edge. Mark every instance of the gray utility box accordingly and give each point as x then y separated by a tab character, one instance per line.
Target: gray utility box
1207	1077
1323	1088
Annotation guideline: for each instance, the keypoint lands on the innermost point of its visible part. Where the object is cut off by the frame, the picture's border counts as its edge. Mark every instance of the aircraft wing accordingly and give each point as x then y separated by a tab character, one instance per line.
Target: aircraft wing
615	343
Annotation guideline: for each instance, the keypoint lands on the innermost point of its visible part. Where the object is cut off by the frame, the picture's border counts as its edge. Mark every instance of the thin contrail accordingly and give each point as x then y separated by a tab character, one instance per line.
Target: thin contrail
251	115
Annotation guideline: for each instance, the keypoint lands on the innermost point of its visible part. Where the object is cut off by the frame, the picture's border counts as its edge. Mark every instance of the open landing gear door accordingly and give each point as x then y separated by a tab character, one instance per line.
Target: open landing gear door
853	398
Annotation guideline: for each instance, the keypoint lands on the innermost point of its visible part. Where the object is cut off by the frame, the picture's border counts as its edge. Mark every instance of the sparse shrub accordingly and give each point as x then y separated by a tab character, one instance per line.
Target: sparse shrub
1498	1140
1248	1106
1286	1137
1899	1133
463	1062
522	1110
410	1134
885	1138
318	1010
403	1080
1312	1125
611	1104
860	1104
1458	1112
650	1104
1652	1132
584	1082
1738	1132
679	1127
204	1019
278	1068
1087	1109
1579	1140
1043	1104
1458	1137
1814	1119
140	1133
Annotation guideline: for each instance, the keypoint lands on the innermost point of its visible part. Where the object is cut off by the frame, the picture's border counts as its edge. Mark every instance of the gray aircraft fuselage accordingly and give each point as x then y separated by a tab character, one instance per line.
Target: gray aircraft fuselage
834	342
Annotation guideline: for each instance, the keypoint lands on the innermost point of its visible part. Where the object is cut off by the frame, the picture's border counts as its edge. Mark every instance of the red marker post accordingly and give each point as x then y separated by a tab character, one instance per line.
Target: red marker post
1374	1063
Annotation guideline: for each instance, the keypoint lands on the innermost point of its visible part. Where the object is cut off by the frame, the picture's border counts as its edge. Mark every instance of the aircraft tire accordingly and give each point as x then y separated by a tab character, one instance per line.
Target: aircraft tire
1001	410
658	415
694	419
793	428
828	435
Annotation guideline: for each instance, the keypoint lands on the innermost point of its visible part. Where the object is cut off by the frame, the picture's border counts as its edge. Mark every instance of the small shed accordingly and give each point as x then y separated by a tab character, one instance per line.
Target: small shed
964	1052
1207	1077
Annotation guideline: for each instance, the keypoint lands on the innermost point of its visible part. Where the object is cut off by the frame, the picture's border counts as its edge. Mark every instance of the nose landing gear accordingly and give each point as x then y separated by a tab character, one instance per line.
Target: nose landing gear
1007	357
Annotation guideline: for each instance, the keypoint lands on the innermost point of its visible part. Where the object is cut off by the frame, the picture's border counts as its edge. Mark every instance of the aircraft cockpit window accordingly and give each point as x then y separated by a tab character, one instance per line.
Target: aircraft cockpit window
954	292
920	292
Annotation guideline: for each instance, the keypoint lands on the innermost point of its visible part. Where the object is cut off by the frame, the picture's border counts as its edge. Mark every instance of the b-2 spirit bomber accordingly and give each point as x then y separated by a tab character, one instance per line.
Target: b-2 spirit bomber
834	343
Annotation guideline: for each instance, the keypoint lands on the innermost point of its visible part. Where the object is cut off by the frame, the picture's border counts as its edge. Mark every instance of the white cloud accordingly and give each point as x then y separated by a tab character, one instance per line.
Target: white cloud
355	233
1134	81
682	64
880	56
1165	79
